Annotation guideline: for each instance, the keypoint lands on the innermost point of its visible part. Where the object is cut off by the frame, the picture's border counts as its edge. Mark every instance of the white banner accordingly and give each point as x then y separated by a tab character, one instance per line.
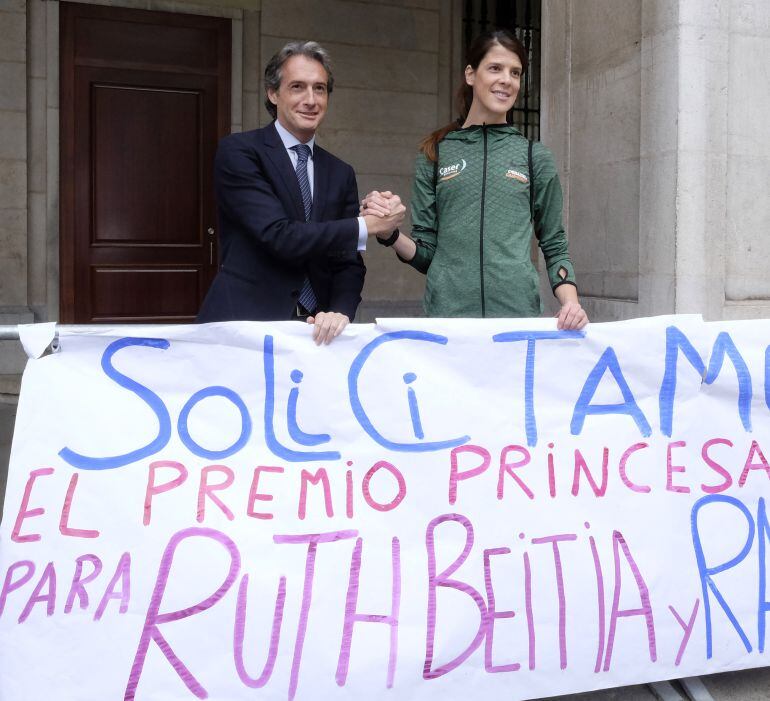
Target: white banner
423	509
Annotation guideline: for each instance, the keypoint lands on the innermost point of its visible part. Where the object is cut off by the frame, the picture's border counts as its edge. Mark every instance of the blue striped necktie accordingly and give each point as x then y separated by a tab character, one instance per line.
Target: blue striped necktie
307	297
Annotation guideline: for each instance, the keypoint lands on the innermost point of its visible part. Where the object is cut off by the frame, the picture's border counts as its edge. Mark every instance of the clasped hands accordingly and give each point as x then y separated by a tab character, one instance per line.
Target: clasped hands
383	212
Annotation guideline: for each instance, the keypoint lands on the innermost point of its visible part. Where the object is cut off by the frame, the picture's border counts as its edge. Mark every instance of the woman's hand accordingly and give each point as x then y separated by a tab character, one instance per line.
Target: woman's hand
571	316
379	204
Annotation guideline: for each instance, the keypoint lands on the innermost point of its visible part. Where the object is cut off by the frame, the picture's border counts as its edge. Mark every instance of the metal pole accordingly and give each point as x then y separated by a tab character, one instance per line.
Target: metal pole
9	333
664	691
695	689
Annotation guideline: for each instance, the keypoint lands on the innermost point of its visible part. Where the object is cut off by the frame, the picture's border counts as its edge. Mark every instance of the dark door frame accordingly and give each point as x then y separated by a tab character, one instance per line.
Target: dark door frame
69	13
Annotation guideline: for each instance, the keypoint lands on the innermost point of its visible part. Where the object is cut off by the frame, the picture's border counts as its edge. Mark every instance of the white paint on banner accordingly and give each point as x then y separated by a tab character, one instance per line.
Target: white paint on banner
426	508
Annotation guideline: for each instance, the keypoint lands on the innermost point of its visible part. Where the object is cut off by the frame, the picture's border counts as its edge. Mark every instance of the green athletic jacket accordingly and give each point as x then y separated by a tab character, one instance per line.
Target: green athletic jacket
473	230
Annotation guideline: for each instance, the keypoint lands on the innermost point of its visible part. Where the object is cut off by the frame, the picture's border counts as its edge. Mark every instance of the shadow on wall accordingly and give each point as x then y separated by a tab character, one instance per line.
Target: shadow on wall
7	418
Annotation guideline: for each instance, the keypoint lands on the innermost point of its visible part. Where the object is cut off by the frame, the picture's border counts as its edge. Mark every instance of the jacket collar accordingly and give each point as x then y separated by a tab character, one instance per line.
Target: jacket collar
282	162
276	152
289	140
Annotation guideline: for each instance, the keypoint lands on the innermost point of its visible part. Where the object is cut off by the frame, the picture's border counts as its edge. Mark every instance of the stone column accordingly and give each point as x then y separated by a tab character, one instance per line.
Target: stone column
747	227
658	157
555	102
252	68
701	177
691	130
591	85
40	55
13	184
13	155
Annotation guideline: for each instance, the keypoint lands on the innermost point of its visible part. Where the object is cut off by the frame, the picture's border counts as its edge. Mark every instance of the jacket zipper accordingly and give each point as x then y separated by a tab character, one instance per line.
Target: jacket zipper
481	227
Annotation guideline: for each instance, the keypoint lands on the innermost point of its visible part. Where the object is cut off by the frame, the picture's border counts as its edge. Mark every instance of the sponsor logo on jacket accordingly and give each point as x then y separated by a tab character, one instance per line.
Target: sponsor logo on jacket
517	175
452	171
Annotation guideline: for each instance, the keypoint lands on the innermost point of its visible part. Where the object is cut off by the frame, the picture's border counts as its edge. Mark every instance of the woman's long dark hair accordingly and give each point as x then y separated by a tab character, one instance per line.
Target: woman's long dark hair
478	49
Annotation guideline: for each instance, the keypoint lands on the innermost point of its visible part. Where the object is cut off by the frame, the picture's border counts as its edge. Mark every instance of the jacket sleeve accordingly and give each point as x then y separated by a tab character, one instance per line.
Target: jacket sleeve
347	267
248	199
424	215
549	227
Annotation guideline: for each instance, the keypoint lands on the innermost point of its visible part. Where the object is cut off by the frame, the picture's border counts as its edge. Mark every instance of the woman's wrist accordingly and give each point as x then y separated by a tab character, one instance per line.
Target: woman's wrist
388	239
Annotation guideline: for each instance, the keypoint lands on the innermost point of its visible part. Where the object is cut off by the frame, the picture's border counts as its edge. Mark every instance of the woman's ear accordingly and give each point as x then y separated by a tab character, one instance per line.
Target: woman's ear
470	75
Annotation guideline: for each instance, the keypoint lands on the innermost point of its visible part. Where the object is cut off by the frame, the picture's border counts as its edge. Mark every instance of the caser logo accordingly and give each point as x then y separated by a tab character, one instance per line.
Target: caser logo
517	175
449	172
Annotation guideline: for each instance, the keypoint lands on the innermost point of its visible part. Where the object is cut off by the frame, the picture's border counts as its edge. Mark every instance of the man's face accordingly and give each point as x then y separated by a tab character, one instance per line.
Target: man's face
302	97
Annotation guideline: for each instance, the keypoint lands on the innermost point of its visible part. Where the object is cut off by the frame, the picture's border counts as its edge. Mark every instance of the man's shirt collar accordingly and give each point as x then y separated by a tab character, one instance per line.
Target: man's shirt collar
290	140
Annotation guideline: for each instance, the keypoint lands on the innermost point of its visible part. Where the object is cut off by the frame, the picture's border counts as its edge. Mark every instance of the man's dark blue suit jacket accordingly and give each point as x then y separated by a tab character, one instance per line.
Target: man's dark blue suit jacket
267	247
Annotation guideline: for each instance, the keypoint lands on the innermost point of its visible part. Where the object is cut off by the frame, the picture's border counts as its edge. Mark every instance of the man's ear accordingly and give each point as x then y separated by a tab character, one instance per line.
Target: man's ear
470	75
272	95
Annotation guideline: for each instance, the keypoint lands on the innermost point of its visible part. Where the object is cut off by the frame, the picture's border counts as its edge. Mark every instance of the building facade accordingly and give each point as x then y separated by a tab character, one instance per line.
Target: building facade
653	108
656	111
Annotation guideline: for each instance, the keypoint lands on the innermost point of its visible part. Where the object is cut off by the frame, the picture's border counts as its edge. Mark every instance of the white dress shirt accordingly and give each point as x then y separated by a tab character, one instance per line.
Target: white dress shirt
290	140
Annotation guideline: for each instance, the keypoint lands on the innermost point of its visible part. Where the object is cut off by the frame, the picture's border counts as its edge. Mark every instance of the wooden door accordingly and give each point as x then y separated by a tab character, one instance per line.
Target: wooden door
145	96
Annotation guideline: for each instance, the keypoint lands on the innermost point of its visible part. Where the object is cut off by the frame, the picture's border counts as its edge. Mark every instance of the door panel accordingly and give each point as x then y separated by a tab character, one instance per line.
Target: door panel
162	40
174	289
139	162
145	98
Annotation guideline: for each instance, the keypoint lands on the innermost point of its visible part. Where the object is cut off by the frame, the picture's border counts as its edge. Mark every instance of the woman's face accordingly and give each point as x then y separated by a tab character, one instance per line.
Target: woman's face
495	83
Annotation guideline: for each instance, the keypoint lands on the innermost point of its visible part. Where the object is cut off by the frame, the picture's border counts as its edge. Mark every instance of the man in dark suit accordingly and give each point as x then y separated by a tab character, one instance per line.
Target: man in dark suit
287	210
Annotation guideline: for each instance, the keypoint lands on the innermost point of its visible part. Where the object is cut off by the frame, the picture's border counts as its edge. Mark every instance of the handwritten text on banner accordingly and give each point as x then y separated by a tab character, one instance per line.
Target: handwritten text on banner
424	509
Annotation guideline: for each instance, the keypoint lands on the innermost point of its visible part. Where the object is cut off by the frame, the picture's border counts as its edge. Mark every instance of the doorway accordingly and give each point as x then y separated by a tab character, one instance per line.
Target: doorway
145	96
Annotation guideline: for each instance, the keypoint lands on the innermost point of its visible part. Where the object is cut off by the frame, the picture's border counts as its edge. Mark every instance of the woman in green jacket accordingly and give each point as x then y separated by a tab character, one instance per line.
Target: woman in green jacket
474	209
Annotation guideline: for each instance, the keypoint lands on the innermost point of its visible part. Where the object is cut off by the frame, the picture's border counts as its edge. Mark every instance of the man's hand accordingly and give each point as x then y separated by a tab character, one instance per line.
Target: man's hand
382	212
327	326
571	316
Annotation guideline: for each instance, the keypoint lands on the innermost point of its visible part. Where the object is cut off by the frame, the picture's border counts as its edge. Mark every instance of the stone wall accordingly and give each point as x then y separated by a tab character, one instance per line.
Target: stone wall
656	112
392	65
604	118
392	86
13	184
593	120
747	129
7	418
13	154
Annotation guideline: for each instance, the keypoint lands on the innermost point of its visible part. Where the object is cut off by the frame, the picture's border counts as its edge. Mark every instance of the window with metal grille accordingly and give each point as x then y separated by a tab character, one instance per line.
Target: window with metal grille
522	18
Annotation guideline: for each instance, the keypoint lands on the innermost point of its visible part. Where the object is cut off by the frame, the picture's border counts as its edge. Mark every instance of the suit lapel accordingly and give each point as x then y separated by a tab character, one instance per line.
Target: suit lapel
283	166
320	182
